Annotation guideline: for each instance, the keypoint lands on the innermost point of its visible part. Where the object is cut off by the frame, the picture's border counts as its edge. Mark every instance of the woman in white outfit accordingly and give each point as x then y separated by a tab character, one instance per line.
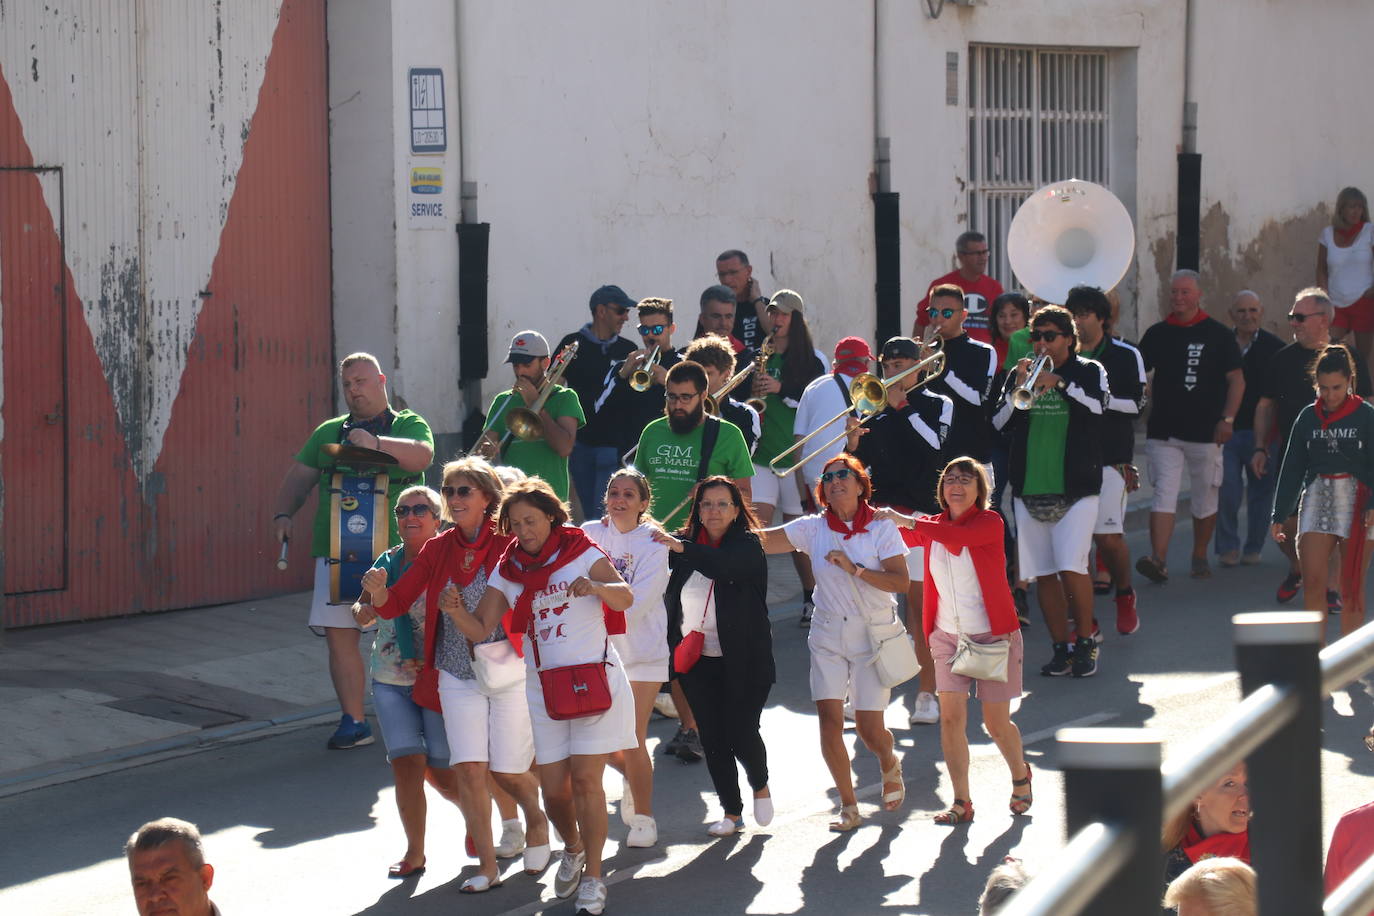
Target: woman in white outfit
860	564
567	599
626	533
1345	269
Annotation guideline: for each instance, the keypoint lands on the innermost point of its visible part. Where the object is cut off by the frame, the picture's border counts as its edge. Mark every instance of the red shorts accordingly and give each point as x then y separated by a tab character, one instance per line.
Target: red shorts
1358	316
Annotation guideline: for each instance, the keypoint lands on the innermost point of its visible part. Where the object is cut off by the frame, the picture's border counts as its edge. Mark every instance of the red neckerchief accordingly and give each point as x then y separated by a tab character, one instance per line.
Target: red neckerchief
533	573
1351	404
704	538
1176	322
862	516
736	344
1346	237
481	554
1198	847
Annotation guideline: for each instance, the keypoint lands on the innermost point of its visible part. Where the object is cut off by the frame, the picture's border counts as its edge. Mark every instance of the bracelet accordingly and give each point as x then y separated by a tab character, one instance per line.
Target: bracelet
281	515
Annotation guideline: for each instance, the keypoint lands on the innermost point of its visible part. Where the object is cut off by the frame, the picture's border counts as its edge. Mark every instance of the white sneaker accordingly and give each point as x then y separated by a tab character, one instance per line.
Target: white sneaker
726	826
627	804
926	711
512	841
763	810
664	705
569	873
591	897
643	832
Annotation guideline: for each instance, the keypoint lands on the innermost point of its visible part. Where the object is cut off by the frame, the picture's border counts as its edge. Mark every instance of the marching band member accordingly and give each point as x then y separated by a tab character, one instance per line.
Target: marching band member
630	399
966	378
903	447
1056	476
718	317
714	354
547	456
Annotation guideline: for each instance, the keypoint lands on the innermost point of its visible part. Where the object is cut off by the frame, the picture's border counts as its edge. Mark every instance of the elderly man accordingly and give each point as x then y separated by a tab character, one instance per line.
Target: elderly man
1286	389
972	251
1257	348
1197	381
168	869
370	423
718	316
751	305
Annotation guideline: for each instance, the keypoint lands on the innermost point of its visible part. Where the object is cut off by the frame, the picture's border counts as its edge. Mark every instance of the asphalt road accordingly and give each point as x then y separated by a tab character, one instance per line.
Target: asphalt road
292	828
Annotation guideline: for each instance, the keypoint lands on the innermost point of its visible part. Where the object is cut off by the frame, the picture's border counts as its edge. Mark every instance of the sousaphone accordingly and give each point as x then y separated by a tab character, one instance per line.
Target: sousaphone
1070	233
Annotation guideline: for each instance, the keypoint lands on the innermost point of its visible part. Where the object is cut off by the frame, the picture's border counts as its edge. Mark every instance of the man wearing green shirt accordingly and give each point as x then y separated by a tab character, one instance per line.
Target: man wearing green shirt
561	416
670	448
369	423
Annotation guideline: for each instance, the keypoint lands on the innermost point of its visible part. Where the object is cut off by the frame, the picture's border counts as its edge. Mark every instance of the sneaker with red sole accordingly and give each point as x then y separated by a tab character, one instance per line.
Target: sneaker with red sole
1127	620
1288	588
1333	601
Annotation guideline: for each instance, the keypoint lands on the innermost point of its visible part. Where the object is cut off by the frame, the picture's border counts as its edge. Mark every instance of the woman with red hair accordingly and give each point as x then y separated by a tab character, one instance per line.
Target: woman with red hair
860	563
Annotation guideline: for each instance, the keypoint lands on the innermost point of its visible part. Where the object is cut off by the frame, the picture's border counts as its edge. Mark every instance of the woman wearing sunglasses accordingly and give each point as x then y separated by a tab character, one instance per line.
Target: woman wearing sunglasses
488	729
717	604
416	743
627	536
860	564
966	594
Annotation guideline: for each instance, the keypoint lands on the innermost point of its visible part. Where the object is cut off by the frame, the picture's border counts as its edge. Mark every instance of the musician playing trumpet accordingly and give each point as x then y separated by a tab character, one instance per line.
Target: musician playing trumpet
545	453
1053	414
632	396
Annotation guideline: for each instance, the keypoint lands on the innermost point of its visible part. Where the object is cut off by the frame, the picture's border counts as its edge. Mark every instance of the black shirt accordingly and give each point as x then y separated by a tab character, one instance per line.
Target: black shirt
904	450
970	367
1263	346
748	329
625	411
587	376
743	416
1288	384
1126	397
1190	364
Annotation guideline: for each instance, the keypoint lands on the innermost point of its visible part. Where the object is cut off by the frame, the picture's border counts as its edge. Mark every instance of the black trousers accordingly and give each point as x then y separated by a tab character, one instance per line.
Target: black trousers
729	727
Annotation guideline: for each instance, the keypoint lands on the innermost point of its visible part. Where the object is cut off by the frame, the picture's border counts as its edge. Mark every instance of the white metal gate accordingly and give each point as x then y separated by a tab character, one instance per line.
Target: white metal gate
1035	116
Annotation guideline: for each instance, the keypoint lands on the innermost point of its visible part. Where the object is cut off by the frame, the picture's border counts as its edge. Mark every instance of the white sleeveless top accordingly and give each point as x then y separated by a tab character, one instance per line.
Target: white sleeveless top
1349	271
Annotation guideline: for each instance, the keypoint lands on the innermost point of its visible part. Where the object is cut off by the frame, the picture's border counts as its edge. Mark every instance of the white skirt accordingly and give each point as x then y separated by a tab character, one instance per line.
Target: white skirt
1327	506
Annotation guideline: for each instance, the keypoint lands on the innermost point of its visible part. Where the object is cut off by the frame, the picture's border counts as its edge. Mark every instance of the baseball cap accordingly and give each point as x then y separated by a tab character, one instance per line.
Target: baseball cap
610	295
786	300
528	343
852	356
897	347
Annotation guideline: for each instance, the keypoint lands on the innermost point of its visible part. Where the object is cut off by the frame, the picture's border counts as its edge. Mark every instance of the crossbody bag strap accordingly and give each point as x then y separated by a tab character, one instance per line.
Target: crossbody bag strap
844	390
709	435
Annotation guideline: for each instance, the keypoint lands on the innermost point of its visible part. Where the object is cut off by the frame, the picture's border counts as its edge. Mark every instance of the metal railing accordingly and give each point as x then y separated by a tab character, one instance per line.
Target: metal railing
1117	796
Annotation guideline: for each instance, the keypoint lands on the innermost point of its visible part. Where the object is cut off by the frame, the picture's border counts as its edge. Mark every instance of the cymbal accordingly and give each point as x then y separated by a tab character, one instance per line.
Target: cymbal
356	454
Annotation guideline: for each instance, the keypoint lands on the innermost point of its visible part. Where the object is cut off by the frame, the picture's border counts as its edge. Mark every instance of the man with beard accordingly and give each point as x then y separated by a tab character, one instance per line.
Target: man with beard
685	445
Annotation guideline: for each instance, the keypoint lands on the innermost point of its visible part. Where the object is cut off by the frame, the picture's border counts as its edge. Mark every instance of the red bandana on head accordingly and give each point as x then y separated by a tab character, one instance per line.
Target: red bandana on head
532	573
862	516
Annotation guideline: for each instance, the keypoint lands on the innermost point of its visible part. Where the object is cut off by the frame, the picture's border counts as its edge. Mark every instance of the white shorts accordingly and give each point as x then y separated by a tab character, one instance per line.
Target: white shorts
840	650
613	730
652	670
491	729
916	564
1044	549
1111	503
779	492
1166	460
324	615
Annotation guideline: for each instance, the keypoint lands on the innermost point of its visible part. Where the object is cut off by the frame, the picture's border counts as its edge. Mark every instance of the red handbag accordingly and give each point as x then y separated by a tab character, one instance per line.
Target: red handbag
688	651
574	691
425	690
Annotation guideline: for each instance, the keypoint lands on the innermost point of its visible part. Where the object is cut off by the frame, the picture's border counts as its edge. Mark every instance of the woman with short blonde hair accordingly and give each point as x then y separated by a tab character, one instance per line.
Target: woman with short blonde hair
1220	886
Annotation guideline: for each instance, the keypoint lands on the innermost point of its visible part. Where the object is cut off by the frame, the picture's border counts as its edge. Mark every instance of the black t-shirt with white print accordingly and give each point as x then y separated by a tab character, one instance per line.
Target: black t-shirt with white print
1190	364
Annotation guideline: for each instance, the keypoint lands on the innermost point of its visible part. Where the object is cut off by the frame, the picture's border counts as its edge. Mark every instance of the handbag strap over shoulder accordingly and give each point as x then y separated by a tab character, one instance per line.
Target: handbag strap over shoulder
534	644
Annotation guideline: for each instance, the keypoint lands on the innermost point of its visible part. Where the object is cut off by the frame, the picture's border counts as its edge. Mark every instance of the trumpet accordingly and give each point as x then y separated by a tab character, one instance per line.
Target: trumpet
643	377
1024	394
717	398
524	422
869	396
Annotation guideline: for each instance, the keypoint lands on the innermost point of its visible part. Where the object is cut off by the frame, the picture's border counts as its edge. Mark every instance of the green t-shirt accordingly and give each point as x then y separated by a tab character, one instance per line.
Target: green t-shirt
536	458
777	421
407	425
670	462
1018	347
1049	428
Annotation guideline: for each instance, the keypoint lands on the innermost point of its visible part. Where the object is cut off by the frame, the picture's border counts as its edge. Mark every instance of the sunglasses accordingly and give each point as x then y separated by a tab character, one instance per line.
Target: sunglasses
1299	318
1047	336
417	511
517	360
837	474
942	313
655	329
463	491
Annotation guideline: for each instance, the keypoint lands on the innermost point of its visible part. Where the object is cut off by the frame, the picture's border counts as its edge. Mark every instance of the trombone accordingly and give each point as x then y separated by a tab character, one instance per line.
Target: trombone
524	422
869	396
717	398
1024	394
643	377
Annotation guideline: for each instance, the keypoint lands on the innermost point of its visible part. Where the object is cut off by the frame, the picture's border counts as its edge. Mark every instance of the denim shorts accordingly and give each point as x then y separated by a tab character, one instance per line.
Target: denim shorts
409	728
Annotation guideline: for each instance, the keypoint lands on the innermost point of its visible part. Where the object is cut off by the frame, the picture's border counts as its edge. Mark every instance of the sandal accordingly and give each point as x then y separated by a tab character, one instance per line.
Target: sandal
893	800
961	812
1022	801
849	819
1152	569
1200	568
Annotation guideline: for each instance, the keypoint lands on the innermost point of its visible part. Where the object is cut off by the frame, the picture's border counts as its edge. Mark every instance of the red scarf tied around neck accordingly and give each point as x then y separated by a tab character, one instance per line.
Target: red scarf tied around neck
565	544
1179	323
862	517
1353	557
485	550
1198	847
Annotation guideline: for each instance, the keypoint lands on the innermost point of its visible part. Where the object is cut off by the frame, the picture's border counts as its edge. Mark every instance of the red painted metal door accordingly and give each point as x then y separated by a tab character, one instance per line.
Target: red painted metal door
32	294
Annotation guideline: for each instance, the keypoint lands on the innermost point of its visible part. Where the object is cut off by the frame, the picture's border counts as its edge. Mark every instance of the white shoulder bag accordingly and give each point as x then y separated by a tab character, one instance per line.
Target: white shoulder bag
894	654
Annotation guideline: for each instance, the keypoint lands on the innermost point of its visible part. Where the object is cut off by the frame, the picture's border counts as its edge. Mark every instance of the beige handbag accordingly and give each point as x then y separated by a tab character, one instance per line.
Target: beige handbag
980	661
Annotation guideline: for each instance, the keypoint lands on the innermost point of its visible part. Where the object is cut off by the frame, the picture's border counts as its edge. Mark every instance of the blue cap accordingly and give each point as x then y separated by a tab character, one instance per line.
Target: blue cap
610	295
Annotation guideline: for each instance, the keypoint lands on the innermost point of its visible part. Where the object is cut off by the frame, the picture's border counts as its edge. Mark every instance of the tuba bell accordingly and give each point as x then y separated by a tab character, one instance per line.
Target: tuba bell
1067	234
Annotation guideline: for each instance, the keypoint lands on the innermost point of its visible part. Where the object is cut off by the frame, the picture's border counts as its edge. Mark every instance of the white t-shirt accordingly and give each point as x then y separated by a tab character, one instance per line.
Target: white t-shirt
570	631
956	582
1349	271
643	563
821	401
836	590
699	611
